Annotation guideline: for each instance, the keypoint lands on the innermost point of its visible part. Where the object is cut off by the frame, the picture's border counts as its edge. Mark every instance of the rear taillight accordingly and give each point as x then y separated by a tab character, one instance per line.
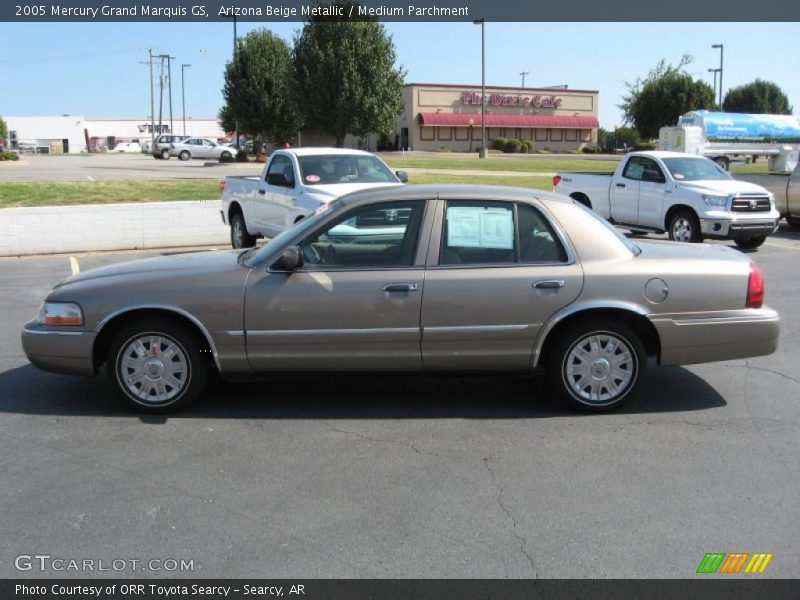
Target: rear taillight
556	180
755	287
221	185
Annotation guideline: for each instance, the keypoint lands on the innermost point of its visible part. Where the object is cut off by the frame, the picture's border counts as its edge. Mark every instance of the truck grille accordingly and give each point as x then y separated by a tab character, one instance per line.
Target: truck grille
750	204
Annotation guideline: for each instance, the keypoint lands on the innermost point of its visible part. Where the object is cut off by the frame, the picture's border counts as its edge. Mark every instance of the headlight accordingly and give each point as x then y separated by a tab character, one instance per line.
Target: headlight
715	200
60	313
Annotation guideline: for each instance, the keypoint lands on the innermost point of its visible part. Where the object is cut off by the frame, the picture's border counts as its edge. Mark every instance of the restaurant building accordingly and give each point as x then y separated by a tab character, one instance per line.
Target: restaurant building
438	116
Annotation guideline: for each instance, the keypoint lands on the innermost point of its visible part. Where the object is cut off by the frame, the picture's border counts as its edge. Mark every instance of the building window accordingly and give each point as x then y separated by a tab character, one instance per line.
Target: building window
476	133
586	135
556	135
494	132
426	134
462	134
541	135
571	135
445	133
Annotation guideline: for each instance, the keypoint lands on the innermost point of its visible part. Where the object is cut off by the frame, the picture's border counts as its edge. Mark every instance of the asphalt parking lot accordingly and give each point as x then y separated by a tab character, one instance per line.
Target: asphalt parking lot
404	476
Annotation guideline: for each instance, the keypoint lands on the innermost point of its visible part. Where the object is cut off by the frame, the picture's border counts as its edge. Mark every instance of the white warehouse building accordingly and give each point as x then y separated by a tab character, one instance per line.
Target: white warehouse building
73	134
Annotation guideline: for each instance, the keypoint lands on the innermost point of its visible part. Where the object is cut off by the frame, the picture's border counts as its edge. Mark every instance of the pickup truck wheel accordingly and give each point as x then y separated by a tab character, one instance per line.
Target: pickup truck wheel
597	366
156	365
749	243
793	221
165	154
184	155
239	236
684	227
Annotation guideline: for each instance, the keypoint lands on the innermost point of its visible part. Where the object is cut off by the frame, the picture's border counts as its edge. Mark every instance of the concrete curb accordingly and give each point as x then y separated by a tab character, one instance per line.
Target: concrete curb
127	226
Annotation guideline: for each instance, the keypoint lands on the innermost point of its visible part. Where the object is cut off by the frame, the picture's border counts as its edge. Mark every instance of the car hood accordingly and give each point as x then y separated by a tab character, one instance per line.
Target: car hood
332	191
161	266
723	188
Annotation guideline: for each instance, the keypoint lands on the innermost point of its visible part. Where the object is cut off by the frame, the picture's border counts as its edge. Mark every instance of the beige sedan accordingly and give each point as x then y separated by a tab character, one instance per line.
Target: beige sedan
418	278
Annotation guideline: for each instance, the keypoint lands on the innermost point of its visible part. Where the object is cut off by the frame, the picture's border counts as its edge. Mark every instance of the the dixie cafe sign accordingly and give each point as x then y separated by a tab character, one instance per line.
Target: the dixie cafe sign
513	100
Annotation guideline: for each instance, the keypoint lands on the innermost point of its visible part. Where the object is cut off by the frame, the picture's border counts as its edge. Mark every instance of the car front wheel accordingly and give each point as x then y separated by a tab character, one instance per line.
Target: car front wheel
750	243
685	227
156	365
597	366
184	155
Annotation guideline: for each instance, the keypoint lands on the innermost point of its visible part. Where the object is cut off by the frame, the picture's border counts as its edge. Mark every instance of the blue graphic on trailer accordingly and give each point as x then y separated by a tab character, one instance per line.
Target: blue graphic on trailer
729	127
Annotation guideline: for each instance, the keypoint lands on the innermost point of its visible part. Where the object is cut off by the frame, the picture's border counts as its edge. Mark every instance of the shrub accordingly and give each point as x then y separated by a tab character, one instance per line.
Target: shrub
499	144
527	146
645	146
512	146
592	150
241	156
9	156
444	149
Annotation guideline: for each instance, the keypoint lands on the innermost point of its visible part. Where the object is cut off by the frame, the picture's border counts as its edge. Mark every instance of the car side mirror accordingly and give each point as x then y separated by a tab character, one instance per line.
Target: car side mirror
402	176
279	179
290	260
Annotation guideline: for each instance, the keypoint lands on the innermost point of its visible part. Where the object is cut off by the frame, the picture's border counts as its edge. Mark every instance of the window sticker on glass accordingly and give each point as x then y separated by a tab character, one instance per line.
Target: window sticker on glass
480	227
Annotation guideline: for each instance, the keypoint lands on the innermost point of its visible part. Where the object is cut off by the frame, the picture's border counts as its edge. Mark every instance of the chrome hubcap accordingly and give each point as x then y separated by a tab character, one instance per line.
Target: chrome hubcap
153	368
682	230
599	368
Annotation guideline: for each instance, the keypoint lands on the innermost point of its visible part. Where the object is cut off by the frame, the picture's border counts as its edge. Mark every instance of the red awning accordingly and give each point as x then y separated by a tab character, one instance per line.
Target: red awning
495	120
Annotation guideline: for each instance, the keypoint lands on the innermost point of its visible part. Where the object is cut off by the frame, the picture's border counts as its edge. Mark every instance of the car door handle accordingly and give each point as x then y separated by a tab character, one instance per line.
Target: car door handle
400	287
620	185
262	192
549	284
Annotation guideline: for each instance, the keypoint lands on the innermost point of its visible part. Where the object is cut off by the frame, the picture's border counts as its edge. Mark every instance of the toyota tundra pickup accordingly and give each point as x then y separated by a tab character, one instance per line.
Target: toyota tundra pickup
296	183
786	190
688	196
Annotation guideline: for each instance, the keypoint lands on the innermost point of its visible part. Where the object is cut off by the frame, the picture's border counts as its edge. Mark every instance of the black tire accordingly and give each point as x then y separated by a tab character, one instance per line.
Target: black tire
184	155
154	373
616	341
684	226
793	221
165	154
750	243
723	162
225	157
239	236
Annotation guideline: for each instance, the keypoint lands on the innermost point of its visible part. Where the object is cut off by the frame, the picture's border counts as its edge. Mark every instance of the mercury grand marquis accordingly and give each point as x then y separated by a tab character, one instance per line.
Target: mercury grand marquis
418	278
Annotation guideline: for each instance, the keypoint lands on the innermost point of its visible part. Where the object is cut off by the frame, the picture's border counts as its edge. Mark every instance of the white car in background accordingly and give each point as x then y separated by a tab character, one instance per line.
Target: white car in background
201	148
127	147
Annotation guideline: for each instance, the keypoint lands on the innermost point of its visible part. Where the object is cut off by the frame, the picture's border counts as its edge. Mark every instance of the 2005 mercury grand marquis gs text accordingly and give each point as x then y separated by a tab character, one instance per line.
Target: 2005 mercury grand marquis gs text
413	278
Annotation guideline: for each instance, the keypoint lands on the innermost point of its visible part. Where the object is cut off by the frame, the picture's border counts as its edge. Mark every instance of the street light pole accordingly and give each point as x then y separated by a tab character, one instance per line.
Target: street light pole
482	23
714	71
523	73
720	46
183	97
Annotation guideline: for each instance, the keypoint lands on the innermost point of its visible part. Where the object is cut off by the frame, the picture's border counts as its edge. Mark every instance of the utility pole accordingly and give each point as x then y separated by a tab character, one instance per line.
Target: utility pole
152	100
523	73
720	46
183	97
161	94
169	79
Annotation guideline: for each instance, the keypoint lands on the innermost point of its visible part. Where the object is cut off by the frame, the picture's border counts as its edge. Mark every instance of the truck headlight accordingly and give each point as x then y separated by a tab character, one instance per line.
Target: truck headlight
715	200
60	313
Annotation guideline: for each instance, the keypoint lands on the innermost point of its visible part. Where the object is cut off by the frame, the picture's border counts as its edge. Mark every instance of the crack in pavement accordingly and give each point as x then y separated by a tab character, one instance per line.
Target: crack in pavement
763	369
404	444
523	544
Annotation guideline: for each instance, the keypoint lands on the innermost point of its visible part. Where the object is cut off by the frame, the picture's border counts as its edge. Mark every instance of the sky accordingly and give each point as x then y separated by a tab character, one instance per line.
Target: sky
94	70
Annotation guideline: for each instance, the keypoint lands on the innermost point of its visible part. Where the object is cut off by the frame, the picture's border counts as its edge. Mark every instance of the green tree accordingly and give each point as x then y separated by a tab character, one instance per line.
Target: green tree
760	97
3	129
258	89
665	94
346	78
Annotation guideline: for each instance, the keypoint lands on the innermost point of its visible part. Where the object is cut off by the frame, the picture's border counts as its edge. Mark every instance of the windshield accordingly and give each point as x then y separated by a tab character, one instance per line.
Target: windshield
685	168
617	233
257	255
344	168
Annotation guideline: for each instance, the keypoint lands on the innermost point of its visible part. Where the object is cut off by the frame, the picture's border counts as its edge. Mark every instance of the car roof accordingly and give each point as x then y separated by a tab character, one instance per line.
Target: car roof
451	191
321	151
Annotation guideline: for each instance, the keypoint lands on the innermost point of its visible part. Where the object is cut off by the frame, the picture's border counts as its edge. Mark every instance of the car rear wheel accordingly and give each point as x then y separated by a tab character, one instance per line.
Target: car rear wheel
225	157
239	236
685	227
793	221
157	366
597	366
165	154
184	155
749	243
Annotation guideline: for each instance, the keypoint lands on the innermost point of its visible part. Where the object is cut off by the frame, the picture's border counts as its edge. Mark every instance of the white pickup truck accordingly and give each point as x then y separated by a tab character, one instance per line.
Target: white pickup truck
294	184
688	196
